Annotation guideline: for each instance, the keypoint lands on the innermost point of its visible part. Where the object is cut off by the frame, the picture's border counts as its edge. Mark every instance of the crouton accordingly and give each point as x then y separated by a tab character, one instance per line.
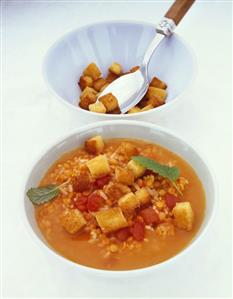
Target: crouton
82	182
88	96
148	107
134	69
116	111
115	68
111	77
137	169
156	82
165	229
85	81
72	221
135	109
94	145
103	87
92	71
110	101
97	107
128	202
116	190
124	176
98	166
128	149
111	220
143	196
156	96
99	83
184	216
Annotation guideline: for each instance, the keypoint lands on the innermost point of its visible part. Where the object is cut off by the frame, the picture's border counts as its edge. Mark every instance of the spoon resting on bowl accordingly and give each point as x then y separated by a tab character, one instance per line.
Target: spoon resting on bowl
130	88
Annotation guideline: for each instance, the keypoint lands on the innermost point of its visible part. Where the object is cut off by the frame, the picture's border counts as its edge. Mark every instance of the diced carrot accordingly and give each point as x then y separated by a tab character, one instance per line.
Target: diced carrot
138	230
171	200
81	203
94	202
99	183
123	234
150	216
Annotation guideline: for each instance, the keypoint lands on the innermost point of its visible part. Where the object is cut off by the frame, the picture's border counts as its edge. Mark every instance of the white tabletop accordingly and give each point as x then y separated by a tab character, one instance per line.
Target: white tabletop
31	123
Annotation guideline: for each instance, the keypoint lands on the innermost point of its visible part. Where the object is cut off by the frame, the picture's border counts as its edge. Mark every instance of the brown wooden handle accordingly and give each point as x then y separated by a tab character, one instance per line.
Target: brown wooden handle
177	11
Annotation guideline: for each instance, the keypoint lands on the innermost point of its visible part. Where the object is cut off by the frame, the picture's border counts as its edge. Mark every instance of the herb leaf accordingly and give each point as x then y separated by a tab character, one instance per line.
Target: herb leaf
171	173
41	195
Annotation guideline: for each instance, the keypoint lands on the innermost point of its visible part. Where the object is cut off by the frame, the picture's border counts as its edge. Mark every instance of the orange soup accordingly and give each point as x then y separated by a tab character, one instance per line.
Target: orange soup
120	204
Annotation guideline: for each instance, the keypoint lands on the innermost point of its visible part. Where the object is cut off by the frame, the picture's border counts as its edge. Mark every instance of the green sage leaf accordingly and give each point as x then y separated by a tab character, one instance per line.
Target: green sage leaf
171	173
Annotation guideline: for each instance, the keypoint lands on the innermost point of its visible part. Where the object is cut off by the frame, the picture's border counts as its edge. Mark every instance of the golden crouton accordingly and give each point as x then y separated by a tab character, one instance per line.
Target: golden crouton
103	87
184	216
165	229
94	145
115	68
116	190
148	107
128	202
111	77
124	176
111	220
88	96
97	107
134	69
110	101
156	82
128	149
98	166
85	81
93	71
99	83
156	96
137	169
72	221
135	109
143	196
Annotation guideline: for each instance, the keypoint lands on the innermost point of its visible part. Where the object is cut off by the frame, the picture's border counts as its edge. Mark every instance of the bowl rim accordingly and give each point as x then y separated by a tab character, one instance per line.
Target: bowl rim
117	116
120	273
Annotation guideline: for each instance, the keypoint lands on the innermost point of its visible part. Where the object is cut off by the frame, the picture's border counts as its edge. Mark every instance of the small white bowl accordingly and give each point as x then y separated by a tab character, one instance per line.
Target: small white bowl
117	129
123	42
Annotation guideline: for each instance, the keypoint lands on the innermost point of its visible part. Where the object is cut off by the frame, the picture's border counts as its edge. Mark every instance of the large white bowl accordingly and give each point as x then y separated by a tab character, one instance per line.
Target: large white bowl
116	129
124	42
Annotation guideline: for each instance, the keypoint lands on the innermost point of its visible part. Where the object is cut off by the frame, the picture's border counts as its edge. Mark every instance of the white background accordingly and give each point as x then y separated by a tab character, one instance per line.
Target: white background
30	123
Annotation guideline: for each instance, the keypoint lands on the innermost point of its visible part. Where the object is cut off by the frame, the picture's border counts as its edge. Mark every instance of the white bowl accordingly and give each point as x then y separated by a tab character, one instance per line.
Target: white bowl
124	42
116	129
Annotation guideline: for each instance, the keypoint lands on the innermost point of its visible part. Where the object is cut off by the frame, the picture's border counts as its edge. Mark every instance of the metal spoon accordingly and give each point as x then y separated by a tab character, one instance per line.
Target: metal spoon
129	89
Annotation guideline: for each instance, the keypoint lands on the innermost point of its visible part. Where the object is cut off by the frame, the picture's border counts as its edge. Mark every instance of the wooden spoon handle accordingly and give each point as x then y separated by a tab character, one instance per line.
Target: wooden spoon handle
177	11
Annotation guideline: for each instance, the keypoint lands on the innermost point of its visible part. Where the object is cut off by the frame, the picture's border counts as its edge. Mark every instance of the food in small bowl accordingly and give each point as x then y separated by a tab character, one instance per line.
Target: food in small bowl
124	42
92	84
114	202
